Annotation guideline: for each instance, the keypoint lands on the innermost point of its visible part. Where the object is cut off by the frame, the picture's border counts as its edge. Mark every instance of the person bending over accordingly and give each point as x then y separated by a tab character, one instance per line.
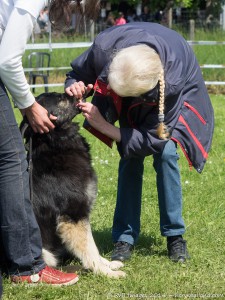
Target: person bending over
146	76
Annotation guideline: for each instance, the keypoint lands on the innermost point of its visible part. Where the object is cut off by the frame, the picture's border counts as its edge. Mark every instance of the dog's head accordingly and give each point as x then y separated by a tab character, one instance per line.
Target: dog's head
60	105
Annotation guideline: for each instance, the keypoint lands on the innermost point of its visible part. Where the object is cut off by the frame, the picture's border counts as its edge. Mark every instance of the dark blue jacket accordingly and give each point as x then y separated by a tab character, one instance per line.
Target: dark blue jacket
188	110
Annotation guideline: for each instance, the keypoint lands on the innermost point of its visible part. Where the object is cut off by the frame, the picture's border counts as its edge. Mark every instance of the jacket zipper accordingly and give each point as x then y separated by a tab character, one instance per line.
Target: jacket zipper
200	147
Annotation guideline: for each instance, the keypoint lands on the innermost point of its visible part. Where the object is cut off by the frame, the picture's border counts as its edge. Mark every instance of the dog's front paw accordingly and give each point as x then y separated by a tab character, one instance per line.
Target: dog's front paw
115	264
111	268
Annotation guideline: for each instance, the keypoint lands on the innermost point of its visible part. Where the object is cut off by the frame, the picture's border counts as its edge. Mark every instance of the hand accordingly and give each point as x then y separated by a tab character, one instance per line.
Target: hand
96	120
92	114
38	118
78	89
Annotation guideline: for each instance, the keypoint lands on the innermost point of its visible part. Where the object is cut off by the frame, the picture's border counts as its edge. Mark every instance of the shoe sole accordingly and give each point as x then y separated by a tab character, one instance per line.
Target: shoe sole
49	284
180	260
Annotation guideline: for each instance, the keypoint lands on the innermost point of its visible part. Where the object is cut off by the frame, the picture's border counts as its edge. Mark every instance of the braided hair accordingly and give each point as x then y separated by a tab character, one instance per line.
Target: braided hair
162	130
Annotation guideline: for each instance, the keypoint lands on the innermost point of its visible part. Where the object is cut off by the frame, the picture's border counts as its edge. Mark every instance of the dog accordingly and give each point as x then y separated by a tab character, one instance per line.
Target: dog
64	188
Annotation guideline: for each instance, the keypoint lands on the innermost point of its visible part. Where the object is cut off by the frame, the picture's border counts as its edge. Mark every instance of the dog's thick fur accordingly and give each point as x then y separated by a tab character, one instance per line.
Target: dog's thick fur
64	188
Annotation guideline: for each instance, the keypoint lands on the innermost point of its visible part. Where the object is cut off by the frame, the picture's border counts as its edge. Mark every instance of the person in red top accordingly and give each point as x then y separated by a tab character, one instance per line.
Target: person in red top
121	20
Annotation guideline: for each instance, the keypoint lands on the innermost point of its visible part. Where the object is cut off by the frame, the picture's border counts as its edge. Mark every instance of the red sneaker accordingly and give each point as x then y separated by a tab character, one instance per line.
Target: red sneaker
48	275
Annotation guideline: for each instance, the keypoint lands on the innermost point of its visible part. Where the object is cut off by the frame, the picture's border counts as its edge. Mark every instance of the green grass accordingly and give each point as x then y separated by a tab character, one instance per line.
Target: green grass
150	273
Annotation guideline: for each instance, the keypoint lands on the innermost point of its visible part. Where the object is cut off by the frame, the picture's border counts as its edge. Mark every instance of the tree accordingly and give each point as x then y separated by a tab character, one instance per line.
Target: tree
157	3
214	6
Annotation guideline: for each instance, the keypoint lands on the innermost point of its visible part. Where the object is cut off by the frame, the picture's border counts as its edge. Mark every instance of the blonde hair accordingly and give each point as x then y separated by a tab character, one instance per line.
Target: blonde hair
162	130
136	70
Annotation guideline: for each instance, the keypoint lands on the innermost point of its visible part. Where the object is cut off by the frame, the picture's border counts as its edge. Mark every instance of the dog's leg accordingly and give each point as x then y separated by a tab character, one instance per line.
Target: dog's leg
78	239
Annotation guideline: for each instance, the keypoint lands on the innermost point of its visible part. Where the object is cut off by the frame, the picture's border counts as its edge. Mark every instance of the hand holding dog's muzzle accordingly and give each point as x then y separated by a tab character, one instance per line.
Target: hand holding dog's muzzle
79	90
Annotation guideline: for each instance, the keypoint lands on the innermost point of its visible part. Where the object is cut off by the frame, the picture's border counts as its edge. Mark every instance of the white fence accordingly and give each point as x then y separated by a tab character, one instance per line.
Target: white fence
50	46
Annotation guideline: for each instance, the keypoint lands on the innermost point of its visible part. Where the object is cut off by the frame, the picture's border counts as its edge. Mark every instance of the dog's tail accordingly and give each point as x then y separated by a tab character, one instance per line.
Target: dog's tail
49	258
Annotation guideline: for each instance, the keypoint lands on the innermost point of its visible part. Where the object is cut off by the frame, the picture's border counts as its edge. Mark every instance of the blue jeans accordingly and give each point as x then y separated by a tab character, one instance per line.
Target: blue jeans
20	239
126	223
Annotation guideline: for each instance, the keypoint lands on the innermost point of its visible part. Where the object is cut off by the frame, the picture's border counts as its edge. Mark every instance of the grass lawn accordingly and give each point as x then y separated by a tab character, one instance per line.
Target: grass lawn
150	274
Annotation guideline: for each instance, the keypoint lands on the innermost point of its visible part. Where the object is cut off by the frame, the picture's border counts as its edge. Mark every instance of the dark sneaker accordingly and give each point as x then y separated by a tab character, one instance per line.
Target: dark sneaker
122	251
177	249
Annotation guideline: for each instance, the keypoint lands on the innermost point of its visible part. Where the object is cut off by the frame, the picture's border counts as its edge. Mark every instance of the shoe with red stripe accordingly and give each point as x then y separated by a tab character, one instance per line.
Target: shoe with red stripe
49	276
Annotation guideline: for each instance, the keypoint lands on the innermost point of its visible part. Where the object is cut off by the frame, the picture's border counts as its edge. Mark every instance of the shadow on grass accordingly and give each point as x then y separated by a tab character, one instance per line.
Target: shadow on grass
145	246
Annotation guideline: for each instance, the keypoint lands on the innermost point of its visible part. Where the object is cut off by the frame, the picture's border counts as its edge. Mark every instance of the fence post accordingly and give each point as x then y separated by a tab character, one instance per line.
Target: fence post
222	17
170	17
192	29
92	30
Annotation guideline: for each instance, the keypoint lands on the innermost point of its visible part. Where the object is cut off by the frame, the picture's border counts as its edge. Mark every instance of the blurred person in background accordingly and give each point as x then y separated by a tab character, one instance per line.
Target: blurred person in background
146	15
120	20
110	21
43	19
131	16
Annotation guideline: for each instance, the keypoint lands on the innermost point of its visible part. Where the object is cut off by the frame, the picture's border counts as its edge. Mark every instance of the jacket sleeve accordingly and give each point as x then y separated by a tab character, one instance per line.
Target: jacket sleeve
141	141
12	48
135	144
82	69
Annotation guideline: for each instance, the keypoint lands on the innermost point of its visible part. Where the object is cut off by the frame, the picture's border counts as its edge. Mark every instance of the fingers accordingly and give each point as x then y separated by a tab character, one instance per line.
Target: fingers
89	87
84	106
52	118
44	127
68	91
78	89
38	118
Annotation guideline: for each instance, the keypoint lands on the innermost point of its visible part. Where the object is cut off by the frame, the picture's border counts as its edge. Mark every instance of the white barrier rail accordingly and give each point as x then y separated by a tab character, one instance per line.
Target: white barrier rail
62	84
212	66
67	68
46	69
205	66
50	46
205	43
46	85
214	82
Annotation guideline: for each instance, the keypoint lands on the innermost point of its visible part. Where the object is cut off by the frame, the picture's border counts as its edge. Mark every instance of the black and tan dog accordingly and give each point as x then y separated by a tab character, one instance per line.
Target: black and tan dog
64	187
